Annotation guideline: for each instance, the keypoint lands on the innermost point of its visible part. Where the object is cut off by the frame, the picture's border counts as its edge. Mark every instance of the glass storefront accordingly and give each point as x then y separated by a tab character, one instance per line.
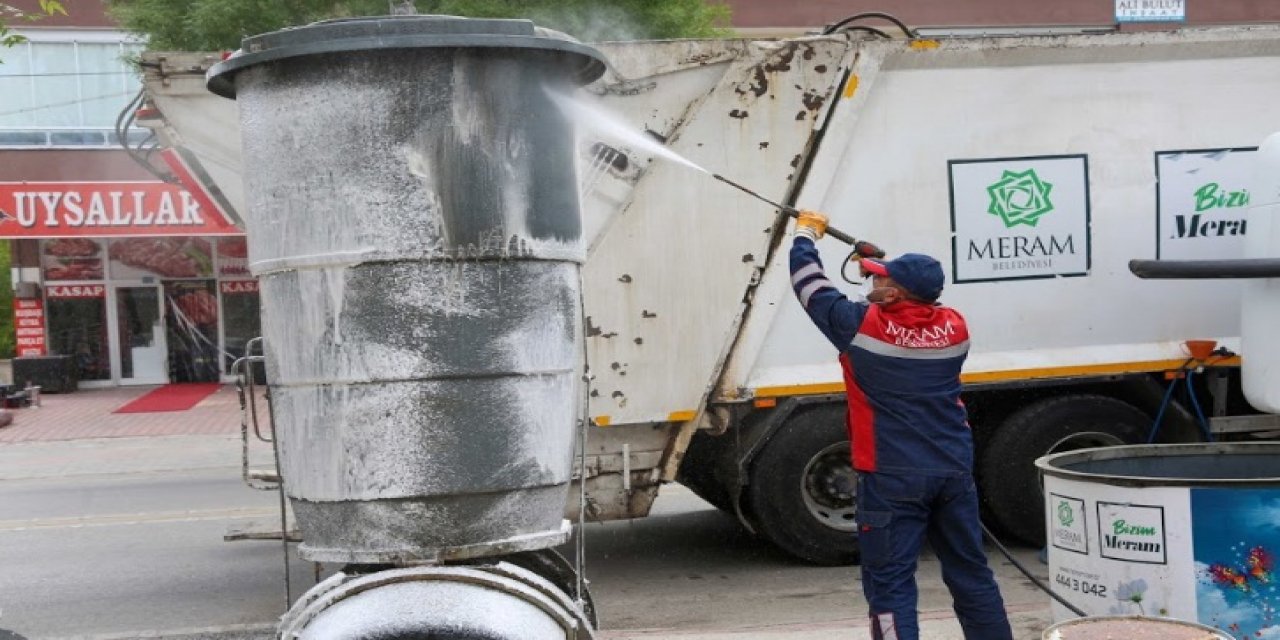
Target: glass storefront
241	321
77	321
149	310
139	327
192	311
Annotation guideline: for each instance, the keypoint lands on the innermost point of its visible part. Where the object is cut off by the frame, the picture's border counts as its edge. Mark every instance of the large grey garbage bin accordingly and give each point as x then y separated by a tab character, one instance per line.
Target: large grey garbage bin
413	217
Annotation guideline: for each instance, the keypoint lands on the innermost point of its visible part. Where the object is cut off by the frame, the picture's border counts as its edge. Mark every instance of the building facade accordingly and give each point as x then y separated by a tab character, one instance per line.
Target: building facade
136	279
769	18
142	282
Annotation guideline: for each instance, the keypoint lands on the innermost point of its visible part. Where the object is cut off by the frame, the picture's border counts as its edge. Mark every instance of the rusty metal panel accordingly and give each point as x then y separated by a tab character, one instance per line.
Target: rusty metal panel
667	277
621	471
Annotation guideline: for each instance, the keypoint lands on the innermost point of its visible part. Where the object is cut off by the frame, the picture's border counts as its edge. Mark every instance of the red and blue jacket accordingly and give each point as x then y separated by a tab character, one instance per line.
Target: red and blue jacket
901	372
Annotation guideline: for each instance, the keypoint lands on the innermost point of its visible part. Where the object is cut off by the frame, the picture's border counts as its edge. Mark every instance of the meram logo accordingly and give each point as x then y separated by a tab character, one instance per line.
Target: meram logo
1121	530
1067	524
1020	198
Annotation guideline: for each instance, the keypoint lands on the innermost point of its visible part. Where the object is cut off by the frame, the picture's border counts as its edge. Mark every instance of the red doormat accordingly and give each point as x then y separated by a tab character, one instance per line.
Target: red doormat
170	397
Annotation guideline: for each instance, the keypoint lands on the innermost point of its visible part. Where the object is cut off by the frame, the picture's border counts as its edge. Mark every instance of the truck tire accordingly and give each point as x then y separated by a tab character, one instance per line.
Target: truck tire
701	466
802	488
1007	473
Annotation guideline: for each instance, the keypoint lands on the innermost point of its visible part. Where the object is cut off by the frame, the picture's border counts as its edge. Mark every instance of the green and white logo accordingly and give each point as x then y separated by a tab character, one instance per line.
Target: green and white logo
1201	202
1067	527
1020	198
1132	532
1065	515
1042	205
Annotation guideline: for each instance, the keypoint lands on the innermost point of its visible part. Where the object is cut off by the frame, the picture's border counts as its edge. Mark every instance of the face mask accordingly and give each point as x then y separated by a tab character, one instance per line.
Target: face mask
865	290
877	296
871	293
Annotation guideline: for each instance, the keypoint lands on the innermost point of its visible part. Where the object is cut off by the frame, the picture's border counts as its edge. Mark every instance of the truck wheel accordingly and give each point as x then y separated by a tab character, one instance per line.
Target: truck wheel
1007	473
699	471
803	487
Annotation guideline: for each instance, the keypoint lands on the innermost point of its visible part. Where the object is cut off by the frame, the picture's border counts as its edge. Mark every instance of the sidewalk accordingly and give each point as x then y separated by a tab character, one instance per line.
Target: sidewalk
139	454
88	414
77	434
1027	621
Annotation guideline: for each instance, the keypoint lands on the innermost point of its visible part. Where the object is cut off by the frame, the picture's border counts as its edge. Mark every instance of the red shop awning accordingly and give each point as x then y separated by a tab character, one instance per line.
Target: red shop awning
100	209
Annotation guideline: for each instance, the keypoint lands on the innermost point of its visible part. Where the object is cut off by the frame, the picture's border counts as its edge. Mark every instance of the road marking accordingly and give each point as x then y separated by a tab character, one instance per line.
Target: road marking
930	619
76	522
174	633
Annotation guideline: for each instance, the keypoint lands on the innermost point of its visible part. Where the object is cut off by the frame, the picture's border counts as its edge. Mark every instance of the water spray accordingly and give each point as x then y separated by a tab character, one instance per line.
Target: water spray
610	125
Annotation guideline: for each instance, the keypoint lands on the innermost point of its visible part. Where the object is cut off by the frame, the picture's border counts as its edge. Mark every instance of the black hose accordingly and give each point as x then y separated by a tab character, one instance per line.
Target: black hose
124	121
871	30
1034	580
834	27
123	115
844	267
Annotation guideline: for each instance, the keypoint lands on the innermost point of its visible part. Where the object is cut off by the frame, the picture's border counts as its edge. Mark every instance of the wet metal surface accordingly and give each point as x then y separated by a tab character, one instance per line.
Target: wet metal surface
413	218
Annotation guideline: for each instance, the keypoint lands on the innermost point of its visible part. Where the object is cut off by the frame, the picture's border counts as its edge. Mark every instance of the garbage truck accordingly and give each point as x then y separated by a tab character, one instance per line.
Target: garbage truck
1034	167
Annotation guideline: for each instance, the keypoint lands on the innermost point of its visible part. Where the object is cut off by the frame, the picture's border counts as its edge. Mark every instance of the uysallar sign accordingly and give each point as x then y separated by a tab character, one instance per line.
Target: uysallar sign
96	209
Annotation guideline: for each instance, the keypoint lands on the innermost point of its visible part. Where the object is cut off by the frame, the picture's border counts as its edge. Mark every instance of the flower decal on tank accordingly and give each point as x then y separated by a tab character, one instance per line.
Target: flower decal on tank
1131	593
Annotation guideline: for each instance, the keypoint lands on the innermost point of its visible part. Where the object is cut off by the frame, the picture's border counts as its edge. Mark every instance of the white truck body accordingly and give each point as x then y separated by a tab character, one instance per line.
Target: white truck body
1033	168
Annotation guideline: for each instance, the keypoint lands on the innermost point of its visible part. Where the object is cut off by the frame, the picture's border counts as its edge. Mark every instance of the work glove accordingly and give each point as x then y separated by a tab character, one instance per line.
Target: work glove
811	224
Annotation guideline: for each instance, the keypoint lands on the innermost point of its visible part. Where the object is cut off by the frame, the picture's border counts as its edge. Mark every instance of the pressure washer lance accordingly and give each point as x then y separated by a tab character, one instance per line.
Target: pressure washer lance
848	239
791	211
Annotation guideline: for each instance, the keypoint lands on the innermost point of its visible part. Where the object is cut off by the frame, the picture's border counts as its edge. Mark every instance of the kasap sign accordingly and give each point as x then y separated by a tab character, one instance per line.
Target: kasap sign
1201	200
1019	218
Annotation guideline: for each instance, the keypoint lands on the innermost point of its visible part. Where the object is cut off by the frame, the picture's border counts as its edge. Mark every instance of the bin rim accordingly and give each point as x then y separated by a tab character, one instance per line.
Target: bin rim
350	35
1187	624
1052	464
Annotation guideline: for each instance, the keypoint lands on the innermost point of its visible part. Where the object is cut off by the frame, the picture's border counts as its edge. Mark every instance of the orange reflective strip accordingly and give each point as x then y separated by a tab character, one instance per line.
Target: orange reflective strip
850	86
1074	371
800	390
1088	370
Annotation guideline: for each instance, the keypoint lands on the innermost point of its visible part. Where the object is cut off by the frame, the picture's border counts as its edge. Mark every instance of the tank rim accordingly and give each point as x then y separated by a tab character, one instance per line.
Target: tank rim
1054	465
584	64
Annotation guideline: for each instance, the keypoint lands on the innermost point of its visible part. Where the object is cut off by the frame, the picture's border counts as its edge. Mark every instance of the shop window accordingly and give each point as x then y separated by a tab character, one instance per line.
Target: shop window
160	257
241	321
191	310
233	257
77	321
67	259
62	93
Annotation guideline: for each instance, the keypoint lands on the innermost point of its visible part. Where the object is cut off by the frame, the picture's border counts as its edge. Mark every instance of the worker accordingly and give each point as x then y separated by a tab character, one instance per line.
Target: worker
911	444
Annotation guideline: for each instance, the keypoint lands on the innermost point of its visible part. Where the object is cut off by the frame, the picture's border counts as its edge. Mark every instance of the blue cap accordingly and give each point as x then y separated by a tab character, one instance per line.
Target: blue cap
919	274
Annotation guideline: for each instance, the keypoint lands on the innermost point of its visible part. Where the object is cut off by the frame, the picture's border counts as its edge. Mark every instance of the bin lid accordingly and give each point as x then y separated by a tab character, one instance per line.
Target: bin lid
583	63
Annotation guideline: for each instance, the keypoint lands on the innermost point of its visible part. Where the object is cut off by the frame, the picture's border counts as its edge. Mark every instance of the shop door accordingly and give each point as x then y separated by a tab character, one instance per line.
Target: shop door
191	313
143	353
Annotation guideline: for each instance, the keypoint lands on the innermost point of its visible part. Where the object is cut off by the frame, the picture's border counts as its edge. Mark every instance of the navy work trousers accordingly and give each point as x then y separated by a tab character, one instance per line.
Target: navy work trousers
896	514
